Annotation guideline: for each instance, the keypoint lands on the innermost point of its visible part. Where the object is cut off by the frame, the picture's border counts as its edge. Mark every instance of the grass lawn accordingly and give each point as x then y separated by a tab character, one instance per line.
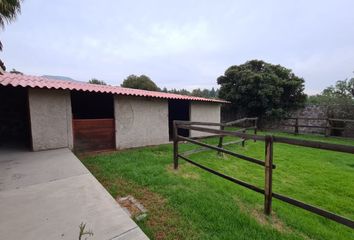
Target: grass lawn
193	204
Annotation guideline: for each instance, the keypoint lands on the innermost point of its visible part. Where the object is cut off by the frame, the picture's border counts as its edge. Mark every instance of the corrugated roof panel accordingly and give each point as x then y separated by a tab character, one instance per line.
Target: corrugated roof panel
11	79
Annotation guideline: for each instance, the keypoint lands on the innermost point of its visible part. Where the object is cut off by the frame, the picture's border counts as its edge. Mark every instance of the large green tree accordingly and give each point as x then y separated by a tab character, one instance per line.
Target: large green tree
257	88
8	12
140	82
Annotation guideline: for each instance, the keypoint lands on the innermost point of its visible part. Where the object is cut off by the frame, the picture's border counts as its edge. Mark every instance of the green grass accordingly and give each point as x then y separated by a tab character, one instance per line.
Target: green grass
193	204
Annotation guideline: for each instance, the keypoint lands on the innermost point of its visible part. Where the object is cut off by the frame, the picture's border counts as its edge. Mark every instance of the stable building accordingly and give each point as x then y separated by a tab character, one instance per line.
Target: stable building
41	113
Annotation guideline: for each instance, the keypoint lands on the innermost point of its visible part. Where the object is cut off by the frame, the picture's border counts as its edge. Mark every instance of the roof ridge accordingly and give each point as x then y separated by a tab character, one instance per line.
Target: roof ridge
14	80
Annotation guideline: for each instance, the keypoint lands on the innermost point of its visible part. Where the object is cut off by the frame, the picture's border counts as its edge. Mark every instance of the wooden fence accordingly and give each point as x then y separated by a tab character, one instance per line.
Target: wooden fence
268	164
247	124
328	124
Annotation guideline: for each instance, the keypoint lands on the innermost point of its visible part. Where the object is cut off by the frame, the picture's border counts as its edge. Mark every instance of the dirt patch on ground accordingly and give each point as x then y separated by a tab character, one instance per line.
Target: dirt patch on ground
183	172
190	175
162	221
135	209
271	221
261	218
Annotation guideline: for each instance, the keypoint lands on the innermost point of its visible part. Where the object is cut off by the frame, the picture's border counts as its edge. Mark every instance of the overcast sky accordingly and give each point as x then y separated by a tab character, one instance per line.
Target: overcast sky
182	43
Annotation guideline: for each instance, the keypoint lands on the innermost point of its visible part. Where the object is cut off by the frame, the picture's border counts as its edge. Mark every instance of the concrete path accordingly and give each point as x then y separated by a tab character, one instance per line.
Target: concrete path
46	195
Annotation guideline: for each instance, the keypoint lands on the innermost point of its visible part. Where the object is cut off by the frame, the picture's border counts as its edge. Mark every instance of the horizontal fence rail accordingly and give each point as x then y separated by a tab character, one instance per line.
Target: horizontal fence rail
223	132
316	144
316	210
232	123
240	121
250	159
234	180
267	163
322	119
233	142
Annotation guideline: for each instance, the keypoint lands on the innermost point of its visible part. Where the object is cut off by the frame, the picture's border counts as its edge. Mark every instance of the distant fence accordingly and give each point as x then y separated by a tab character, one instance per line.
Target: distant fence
312	116
267	163
331	126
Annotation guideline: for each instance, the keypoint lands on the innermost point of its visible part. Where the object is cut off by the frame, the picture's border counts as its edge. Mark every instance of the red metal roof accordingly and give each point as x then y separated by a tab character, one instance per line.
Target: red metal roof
18	80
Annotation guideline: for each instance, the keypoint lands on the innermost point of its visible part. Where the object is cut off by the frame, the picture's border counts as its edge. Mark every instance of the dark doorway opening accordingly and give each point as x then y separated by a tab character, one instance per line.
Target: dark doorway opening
87	105
93	121
178	110
14	117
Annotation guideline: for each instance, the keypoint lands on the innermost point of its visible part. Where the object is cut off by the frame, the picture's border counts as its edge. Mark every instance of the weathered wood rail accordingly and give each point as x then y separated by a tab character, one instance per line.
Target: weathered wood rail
268	164
222	126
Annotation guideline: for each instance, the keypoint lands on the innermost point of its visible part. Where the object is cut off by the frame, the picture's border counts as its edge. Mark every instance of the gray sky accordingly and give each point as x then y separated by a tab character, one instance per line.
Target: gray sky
181	44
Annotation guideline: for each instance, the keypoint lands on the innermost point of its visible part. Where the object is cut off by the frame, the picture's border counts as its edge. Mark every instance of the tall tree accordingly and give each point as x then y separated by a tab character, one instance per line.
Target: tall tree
140	82
257	88
197	92
213	93
9	9
96	81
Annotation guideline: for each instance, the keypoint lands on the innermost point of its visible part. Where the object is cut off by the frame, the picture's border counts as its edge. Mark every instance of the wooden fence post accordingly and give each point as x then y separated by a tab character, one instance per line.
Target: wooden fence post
344	129
244	140
221	139
268	175
327	129
175	146
255	128
297	126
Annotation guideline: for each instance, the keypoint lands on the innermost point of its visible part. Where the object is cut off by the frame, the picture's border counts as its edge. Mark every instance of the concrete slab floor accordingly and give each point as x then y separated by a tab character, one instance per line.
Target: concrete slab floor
47	194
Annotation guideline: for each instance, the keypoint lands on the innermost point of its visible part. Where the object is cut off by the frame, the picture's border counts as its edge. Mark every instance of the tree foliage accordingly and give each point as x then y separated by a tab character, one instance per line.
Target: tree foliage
198	92
177	91
342	88
257	88
96	81
16	71
339	95
206	93
140	82
9	9
2	65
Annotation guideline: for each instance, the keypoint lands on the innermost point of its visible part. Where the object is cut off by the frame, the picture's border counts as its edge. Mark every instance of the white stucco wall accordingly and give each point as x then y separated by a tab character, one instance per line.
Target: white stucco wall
140	121
51	119
204	112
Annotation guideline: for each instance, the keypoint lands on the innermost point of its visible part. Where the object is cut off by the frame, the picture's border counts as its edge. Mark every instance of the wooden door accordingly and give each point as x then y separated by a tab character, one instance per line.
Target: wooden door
94	134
